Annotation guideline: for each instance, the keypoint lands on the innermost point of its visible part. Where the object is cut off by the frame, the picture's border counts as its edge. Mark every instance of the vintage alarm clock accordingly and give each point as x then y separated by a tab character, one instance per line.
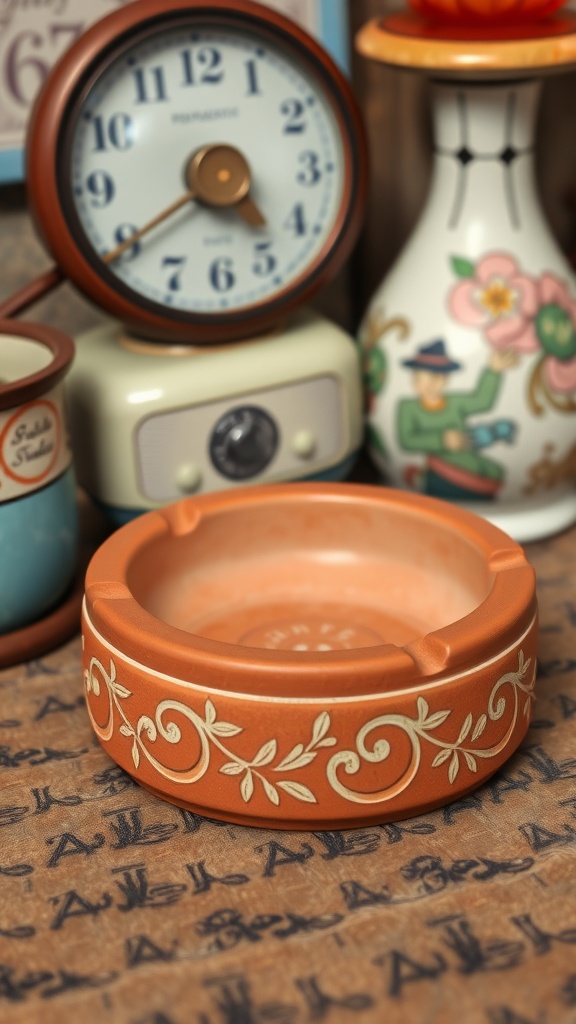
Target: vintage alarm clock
198	170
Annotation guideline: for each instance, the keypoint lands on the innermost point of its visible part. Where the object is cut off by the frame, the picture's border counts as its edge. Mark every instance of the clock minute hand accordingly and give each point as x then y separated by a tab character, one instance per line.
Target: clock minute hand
216	175
113	254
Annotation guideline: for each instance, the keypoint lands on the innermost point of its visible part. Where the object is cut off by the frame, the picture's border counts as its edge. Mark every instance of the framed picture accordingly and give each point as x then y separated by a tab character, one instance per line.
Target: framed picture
33	36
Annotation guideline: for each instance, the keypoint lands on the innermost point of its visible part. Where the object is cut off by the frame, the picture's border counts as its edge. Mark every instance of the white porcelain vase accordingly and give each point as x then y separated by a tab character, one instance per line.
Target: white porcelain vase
469	345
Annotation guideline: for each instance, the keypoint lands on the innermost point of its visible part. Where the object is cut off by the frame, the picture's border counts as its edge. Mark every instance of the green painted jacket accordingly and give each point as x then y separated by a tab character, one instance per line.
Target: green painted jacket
422	430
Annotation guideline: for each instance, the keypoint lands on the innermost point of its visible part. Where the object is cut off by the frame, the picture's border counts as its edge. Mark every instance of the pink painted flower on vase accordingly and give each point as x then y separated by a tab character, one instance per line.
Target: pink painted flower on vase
496	297
522	314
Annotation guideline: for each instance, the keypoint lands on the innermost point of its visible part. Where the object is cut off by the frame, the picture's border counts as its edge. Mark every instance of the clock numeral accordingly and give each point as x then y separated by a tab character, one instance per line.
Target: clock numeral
222	278
177	265
310	173
122	233
210	71
293	111
118	132
101	188
150	85
264	261
296	220
252	76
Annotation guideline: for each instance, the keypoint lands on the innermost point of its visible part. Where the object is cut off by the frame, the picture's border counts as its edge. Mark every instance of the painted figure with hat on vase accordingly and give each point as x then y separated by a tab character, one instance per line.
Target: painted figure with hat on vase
436	423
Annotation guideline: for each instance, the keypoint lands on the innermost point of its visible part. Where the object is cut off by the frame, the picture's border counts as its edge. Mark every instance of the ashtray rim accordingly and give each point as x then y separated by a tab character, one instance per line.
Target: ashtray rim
507	611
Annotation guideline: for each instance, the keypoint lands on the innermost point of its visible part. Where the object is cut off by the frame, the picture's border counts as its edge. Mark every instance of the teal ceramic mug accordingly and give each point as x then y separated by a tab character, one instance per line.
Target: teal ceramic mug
38	507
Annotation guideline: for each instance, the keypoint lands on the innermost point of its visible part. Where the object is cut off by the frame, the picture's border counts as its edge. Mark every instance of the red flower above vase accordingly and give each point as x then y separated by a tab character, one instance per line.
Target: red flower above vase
485	12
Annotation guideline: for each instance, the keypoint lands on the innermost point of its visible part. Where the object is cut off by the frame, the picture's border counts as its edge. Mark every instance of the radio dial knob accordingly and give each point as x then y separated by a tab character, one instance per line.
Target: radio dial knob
243	442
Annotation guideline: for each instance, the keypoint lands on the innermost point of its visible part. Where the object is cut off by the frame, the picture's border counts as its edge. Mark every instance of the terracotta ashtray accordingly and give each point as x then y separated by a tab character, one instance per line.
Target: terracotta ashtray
310	655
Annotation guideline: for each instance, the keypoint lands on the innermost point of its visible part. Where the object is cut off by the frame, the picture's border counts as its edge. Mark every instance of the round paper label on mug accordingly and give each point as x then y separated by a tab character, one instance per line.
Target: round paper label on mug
34	448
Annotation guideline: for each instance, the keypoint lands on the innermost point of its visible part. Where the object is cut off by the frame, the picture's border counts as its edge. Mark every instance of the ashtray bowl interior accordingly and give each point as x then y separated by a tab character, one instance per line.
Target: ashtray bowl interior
310	575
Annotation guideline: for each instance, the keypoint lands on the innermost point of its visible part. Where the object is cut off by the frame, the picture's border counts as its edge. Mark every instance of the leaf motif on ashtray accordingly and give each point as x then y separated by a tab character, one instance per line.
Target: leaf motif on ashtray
442	756
298	791
247	787
454	767
135	754
271	792
422	706
436	719
297	762
266	754
320	727
225	729
465	728
291	757
479	728
232	768
121	691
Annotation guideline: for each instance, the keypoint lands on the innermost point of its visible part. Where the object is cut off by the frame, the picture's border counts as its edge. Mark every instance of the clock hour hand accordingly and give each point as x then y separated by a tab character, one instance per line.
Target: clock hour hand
249	212
216	175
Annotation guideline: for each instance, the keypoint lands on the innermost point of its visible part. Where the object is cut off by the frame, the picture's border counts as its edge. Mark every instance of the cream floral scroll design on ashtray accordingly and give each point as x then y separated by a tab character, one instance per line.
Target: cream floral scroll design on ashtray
211	733
421	729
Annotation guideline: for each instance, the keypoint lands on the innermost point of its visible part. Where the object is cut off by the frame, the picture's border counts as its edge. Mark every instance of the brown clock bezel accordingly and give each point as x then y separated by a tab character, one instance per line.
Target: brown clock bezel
49	194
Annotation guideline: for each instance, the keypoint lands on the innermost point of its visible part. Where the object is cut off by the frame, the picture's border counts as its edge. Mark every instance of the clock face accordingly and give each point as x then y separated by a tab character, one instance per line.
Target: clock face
148	115
207	170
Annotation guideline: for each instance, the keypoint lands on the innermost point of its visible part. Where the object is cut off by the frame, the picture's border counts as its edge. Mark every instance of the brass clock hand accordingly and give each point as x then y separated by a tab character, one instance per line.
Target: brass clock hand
113	254
249	212
217	175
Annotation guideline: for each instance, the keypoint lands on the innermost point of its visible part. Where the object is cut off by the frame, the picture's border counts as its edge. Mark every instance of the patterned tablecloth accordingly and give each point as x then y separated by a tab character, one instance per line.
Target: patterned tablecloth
117	907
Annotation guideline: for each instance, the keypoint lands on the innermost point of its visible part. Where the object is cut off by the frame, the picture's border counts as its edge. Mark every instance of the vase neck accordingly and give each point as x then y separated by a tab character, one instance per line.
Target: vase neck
484	134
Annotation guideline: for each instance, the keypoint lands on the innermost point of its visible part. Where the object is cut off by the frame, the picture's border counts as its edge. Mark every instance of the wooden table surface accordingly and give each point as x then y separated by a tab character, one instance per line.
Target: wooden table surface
117	907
